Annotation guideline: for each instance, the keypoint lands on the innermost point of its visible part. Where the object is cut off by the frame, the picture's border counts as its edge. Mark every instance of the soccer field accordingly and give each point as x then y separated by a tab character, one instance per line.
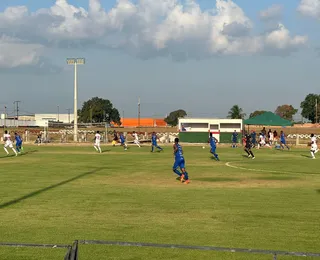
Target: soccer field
56	195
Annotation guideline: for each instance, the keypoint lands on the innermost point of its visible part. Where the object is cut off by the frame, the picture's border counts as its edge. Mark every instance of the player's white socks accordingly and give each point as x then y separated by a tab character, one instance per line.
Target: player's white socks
95	147
14	150
6	150
312	154
99	149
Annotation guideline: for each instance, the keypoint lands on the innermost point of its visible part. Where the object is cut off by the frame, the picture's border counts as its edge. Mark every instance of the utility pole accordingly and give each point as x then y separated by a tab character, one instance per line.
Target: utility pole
58	114
69	109
17	109
75	62
316	110
5	117
139	115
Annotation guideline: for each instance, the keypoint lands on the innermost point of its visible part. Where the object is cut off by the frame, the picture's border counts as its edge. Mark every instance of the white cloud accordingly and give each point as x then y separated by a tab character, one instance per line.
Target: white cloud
274	12
148	28
15	53
310	8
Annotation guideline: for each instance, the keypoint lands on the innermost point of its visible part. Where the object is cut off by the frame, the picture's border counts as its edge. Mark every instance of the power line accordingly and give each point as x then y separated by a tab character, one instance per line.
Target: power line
17	106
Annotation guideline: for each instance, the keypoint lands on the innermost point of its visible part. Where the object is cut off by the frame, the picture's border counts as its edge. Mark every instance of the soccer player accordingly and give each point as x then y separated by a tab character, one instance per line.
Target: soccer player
283	142
18	139
154	143
179	162
97	139
262	140
115	138
123	141
234	139
254	138
136	138
248	146
314	149
213	144
8	143
313	138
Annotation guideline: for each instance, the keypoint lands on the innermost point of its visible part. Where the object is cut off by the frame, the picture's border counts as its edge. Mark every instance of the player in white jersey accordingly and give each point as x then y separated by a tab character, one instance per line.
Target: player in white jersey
313	139
8	143
97	139
262	141
136	138
314	149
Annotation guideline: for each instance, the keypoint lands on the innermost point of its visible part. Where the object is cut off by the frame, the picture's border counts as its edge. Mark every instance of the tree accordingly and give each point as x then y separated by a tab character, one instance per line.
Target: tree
256	113
236	112
99	110
286	111
309	107
173	117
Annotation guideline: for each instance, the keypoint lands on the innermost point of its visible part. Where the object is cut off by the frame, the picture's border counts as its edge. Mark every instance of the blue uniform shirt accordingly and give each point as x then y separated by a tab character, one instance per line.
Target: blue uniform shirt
154	139
122	139
213	143
18	139
234	137
179	154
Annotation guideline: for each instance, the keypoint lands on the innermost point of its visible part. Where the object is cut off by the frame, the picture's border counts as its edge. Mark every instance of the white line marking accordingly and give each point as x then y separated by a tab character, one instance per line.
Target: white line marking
260	170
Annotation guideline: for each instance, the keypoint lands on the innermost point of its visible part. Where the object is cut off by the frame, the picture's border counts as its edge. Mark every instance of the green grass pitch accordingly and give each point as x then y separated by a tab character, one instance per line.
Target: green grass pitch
55	195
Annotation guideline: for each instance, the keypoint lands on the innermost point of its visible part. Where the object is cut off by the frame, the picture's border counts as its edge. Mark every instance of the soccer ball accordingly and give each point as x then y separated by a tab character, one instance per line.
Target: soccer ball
203	147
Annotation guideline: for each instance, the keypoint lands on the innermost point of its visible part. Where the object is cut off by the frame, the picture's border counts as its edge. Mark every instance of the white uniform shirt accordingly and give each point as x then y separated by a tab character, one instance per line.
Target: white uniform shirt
314	147
98	138
8	137
135	135
313	139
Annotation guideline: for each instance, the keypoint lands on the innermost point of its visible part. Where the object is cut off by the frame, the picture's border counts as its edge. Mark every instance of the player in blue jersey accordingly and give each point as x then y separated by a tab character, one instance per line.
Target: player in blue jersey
18	140
253	138
154	143
234	139
123	141
213	145
283	142
179	162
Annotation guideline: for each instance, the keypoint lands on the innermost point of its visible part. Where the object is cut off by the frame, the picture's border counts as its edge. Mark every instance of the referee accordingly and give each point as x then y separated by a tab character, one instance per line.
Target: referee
248	147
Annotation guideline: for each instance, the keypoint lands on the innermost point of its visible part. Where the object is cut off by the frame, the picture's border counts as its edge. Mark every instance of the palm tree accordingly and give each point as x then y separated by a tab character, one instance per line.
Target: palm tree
236	112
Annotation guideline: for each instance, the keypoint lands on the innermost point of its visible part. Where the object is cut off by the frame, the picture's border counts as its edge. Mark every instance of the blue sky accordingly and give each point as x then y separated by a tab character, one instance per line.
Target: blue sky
257	54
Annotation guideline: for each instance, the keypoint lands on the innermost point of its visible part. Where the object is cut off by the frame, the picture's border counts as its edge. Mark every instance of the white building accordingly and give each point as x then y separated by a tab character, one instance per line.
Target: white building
196	130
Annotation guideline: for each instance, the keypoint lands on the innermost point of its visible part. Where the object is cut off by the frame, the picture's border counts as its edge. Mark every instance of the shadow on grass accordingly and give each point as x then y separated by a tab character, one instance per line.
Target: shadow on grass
37	192
307	156
105	151
22	154
217	179
277	178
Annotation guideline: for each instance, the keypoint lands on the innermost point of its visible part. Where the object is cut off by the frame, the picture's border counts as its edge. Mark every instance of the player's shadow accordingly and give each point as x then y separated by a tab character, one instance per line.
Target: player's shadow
37	192
105	151
22	154
307	156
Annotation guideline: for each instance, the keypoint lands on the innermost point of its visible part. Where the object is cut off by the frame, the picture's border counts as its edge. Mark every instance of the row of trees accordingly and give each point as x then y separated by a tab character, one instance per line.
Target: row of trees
97	110
309	107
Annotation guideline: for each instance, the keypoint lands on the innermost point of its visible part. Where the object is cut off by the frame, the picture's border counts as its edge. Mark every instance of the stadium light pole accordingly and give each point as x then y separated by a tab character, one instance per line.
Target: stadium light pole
75	62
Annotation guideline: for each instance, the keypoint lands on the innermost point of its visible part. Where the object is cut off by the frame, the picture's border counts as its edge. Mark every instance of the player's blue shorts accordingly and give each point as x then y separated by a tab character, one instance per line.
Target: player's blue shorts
283	141
213	149
154	144
179	163
234	140
19	144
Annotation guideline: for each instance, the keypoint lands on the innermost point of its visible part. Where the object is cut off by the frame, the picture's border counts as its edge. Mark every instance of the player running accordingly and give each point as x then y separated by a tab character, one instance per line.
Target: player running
97	139
115	138
248	147
154	143
314	149
283	142
123	141
8	143
213	146
179	162
313	139
136	139
18	139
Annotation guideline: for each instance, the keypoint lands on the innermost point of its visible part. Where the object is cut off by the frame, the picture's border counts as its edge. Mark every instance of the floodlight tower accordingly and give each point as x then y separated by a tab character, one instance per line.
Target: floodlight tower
75	62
